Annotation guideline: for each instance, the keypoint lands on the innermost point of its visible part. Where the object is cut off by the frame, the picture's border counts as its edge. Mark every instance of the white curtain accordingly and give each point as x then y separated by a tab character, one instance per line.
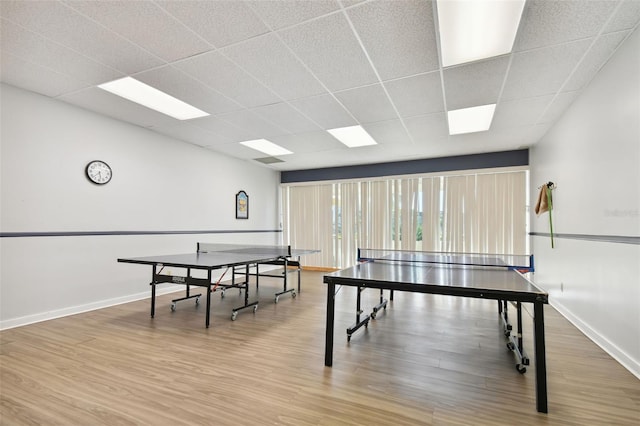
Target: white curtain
477	213
310	222
408	203
501	213
431	208
459	200
377	214
348	241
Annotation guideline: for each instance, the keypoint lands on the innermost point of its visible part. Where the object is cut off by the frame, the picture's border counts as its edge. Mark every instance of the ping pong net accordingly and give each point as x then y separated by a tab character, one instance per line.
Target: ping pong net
521	263
275	250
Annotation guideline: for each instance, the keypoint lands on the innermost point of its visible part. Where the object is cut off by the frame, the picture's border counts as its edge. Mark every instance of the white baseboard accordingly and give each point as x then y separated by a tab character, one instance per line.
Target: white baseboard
619	355
73	310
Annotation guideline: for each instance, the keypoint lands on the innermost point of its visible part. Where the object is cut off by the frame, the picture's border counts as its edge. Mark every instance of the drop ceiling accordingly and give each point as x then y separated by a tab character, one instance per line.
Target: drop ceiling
287	71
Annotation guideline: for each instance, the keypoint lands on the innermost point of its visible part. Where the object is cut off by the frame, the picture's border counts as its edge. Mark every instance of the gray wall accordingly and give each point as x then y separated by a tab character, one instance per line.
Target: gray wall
159	184
593	155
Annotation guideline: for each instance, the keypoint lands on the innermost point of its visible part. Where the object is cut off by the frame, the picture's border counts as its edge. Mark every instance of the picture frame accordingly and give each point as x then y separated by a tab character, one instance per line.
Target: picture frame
242	205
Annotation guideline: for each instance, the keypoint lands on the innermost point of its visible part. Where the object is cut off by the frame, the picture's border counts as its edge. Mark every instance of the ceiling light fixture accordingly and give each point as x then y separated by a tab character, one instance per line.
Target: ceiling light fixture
352	136
143	94
266	147
471	30
470	120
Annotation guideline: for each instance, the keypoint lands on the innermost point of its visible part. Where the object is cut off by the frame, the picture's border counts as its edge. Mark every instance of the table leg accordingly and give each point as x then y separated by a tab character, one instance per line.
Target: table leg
541	362
208	313
328	347
153	290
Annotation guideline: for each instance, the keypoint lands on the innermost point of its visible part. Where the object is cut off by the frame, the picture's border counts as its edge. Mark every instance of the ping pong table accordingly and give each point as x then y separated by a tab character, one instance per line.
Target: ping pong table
209	257
496	277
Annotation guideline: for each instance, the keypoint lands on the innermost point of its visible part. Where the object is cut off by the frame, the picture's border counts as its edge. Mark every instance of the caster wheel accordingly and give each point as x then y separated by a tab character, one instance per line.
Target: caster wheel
294	294
234	316
173	307
276	299
255	308
222	294
373	315
197	301
521	369
348	338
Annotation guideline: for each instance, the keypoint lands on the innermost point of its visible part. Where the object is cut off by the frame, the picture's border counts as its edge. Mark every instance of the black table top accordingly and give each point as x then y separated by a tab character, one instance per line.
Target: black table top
461	280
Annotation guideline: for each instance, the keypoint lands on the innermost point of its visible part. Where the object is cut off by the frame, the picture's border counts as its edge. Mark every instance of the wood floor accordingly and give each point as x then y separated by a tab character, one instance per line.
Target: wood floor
426	360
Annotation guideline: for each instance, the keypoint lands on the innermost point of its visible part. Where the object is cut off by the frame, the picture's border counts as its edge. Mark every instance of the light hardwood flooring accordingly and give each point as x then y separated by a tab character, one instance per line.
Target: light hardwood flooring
426	360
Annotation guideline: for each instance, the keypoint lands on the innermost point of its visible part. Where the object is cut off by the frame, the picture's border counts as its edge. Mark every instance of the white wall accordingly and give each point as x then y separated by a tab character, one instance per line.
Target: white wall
593	155
159	184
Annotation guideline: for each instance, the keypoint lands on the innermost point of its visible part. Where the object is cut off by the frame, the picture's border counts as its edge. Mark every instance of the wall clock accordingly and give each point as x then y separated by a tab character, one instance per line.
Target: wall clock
98	172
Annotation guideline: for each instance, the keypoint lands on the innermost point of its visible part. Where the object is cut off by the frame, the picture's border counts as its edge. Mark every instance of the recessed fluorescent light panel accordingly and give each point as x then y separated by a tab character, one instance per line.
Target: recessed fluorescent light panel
476	29
470	120
266	147
140	93
352	136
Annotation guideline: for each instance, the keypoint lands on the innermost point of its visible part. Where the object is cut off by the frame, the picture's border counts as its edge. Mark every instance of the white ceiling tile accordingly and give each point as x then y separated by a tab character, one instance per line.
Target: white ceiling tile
317	141
187	89
558	106
34	48
461	83
272	63
33	77
480	142
311	160
542	71
221	74
285	13
332	52
61	24
349	3
596	57
220	22
286	117
252	123
399	40
417	95
222	128
368	104
105	103
626	17
390	133
237	150
192	134
522	112
324	110
551	22
427	129
145	24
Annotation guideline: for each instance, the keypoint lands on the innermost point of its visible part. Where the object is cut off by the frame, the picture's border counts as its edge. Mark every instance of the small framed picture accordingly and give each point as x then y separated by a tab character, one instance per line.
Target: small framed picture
242	205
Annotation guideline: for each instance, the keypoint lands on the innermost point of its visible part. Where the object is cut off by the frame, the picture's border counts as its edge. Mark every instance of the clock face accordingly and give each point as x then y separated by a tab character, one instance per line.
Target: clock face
98	172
